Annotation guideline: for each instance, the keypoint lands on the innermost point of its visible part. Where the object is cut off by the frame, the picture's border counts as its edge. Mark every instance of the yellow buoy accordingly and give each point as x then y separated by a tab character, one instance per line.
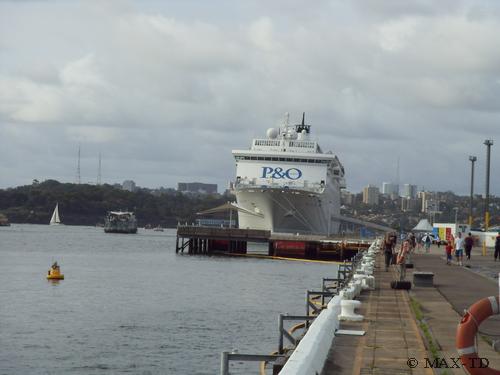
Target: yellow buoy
55	273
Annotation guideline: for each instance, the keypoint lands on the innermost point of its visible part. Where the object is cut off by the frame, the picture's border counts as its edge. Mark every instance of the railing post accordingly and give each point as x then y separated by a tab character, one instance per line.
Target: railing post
307	309
224	363
280	329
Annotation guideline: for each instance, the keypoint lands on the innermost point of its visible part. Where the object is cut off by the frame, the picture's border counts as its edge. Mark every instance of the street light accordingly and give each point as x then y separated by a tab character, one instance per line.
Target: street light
456	217
488	143
473	160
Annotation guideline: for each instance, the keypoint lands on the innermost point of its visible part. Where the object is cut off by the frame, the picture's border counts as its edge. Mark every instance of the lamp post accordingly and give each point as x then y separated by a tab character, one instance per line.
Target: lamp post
473	160
456	218
488	143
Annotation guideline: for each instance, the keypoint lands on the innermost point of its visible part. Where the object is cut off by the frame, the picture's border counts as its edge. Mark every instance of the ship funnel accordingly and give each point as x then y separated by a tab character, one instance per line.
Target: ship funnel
303	118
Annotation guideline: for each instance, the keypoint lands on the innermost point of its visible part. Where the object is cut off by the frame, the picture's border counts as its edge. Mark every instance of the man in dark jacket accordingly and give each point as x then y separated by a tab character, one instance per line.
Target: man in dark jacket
468	243
389	244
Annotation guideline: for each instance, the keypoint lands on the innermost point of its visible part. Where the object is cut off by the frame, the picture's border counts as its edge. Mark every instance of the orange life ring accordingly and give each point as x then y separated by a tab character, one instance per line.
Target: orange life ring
466	334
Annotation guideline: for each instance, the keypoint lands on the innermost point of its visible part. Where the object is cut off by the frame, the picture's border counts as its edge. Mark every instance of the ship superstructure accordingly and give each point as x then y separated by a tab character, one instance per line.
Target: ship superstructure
288	183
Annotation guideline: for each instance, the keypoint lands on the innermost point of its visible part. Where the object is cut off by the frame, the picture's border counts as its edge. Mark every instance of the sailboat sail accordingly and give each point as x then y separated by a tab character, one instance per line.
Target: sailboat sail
55	216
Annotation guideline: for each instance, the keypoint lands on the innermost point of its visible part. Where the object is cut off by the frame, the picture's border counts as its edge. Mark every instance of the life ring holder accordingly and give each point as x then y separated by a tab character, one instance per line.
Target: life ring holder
467	331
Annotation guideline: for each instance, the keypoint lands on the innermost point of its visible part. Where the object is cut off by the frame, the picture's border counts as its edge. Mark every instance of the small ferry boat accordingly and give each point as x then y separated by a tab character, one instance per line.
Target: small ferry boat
120	222
4	222
55	273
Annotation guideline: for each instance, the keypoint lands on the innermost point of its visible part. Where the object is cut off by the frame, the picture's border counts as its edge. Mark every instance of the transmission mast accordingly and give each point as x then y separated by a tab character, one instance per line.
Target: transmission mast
99	172
78	176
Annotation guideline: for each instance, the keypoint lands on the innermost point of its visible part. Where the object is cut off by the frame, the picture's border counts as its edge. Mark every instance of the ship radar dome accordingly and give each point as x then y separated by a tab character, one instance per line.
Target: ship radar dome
272	133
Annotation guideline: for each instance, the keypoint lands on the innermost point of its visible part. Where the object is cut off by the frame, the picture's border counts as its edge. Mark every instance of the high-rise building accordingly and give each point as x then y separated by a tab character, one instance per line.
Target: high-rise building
429	201
409	204
371	195
409	191
390	189
346	197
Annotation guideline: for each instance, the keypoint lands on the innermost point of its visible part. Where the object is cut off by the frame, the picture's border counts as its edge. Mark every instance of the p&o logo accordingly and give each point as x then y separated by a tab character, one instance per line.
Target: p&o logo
279	173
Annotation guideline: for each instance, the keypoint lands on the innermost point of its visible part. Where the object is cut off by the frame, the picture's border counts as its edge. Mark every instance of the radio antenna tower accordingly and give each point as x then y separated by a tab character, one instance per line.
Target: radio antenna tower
99	172
397	176
78	177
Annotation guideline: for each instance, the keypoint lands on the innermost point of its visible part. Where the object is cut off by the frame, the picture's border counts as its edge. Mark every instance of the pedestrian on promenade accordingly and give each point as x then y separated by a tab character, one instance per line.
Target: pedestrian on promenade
459	249
468	243
388	246
449	249
413	241
401	259
427	242
419	241
497	248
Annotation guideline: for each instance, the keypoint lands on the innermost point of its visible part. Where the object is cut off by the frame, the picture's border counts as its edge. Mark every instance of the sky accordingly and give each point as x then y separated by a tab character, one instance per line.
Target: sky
164	90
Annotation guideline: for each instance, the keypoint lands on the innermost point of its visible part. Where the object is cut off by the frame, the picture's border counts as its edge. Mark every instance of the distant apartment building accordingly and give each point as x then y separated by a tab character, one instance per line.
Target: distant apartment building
429	202
196	188
409	204
347	198
129	185
409	191
371	195
390	189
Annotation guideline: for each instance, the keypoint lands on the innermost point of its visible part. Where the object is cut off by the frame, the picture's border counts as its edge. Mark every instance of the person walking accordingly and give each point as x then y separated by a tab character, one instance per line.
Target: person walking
449	249
497	248
427	242
388	250
401	259
413	241
459	249
468	243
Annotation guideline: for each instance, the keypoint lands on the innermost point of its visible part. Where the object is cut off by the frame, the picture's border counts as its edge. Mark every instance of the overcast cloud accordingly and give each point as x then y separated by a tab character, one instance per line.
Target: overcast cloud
166	89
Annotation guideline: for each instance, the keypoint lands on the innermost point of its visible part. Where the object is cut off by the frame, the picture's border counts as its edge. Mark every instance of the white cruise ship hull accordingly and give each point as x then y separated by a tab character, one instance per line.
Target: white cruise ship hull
290	210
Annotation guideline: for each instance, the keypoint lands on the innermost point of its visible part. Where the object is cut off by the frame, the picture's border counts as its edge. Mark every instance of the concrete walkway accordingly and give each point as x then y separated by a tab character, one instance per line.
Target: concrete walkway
392	335
456	289
392	332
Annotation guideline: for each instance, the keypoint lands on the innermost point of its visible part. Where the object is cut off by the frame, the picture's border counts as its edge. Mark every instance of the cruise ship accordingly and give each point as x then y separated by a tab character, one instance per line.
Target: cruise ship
285	183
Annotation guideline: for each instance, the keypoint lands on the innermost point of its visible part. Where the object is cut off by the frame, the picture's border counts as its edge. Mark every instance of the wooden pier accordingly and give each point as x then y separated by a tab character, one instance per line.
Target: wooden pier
198	240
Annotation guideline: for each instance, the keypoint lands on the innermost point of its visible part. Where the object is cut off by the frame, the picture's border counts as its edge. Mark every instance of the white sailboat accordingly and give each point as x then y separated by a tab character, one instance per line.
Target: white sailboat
55	220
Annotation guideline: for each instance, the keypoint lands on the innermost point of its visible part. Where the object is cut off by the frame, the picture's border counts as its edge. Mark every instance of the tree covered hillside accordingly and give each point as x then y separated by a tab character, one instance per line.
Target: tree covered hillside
82	204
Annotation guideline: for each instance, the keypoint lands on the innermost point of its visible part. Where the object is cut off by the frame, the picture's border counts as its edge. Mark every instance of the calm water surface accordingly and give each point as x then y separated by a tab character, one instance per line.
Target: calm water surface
129	304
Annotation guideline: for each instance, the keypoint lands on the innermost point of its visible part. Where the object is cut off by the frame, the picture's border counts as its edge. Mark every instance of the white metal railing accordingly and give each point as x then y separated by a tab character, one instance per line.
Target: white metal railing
283	144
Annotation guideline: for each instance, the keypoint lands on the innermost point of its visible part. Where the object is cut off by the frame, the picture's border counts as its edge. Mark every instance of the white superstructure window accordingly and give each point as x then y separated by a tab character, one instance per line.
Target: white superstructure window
291	160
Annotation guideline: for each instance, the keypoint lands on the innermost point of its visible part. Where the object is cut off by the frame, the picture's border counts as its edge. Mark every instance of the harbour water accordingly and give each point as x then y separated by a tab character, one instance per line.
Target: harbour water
129	304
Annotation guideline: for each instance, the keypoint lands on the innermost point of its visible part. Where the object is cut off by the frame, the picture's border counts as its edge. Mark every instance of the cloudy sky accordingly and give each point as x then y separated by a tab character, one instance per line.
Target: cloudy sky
166	89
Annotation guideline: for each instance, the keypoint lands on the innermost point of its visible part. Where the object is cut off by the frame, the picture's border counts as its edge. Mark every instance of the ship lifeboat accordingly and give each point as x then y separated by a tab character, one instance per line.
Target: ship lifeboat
54	273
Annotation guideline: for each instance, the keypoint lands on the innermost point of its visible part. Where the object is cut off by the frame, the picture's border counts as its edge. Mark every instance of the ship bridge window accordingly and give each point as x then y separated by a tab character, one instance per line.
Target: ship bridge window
266	142
294	160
